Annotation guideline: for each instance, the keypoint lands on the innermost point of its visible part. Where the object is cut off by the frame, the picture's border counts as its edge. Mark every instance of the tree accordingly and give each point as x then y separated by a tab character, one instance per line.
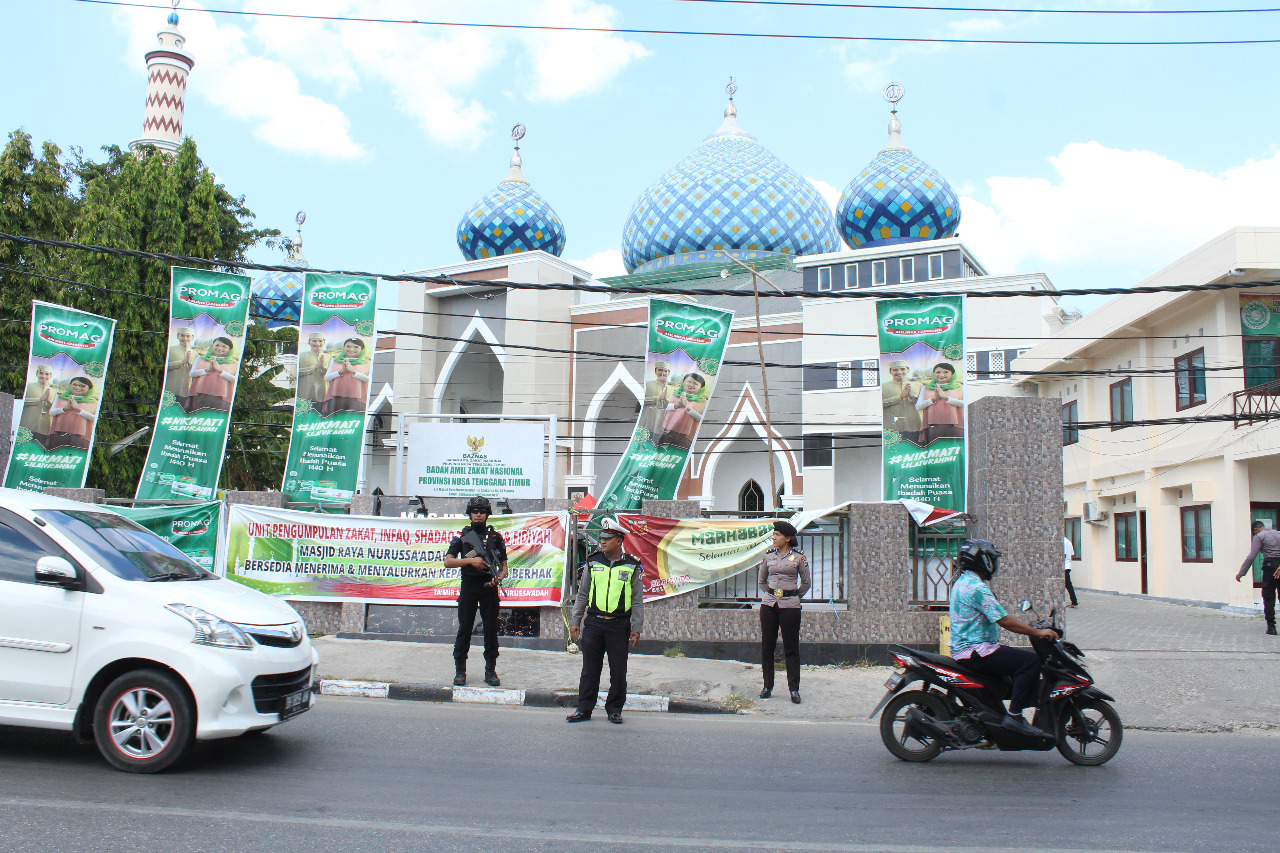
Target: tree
158	202
259	442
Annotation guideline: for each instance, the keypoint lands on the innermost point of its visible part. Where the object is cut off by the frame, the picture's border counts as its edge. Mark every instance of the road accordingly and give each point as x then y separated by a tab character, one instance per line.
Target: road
382	776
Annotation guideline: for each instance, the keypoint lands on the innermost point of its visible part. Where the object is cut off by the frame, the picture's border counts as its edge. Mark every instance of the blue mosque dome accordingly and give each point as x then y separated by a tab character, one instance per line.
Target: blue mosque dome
897	198
510	218
733	195
276	298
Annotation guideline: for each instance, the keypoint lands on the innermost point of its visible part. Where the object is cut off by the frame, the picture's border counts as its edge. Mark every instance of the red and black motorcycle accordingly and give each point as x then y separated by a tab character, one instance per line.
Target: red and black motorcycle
957	708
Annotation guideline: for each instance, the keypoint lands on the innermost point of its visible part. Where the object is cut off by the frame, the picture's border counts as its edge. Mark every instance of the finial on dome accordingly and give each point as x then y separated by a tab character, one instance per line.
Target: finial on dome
731	110
893	93
173	16
517	133
296	257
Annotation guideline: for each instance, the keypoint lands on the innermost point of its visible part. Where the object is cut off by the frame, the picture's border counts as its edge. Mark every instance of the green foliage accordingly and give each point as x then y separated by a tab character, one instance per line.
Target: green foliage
158	203
259	443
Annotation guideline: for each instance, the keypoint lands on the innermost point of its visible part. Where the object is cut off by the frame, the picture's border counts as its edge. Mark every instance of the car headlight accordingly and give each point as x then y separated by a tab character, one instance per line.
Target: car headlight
210	630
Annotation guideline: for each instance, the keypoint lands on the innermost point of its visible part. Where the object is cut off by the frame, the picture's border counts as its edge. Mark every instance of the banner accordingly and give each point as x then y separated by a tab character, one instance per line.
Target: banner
382	559
461	460
1260	314
684	555
922	364
207	314
686	344
66	369
194	529
335	365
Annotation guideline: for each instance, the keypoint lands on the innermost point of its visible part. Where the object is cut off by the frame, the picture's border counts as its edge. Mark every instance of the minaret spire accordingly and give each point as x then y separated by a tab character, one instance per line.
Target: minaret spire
517	133
893	93
168	65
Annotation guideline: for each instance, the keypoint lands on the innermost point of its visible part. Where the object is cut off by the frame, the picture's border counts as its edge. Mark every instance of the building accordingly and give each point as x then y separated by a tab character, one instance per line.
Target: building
1161	508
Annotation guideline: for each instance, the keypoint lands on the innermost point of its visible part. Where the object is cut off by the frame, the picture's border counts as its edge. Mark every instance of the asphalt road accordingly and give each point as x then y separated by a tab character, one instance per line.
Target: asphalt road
381	776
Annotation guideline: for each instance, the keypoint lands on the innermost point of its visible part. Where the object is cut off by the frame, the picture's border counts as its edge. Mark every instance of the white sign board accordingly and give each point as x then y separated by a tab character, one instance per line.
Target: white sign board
461	460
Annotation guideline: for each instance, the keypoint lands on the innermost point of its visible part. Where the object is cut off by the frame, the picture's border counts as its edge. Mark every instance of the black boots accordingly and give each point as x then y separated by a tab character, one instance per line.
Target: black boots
491	676
460	674
1271	627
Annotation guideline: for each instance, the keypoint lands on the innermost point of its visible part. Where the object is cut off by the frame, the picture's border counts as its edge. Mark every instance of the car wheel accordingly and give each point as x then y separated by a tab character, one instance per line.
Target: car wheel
143	721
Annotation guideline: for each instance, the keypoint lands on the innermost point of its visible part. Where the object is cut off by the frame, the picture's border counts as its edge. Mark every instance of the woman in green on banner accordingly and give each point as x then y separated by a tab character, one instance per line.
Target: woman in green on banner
213	383
941	404
73	415
348	378
684	412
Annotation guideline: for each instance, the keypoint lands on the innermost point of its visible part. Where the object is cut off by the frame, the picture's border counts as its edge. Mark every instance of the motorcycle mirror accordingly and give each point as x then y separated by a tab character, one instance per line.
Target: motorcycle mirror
1025	606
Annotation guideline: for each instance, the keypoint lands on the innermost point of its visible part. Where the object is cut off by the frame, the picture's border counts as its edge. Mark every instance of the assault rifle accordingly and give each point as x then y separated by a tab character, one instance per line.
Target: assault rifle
479	548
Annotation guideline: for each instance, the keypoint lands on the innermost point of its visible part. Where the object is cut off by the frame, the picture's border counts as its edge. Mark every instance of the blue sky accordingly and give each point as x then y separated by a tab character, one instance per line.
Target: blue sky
1096	165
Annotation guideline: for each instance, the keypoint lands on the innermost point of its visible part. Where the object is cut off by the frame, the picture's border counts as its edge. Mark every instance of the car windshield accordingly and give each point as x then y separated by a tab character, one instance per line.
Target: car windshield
123	547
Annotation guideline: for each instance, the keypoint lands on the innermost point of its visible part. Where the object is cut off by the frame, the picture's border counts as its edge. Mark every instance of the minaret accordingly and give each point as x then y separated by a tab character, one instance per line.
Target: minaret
167	68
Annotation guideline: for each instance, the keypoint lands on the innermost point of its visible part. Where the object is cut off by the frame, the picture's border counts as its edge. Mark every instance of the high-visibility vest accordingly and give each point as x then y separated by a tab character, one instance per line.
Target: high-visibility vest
610	592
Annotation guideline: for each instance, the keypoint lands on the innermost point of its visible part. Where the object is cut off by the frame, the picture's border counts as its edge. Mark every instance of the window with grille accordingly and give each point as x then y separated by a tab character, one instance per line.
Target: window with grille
971	365
844	374
870	373
751	497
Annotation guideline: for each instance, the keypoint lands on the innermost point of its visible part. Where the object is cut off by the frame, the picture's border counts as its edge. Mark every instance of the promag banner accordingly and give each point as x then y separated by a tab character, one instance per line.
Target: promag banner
194	529
686	345
377	558
207	314
66	367
335	362
922	363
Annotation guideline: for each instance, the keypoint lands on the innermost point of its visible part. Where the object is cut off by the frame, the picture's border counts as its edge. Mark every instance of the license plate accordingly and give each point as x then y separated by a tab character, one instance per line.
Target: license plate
894	681
295	703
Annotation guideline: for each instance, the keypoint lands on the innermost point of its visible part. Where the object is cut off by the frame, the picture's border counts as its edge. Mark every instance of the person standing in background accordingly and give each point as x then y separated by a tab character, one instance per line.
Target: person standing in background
1069	552
783	580
1266	542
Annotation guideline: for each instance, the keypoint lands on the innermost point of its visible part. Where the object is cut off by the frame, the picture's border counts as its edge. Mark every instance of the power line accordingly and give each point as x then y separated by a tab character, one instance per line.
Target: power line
867	293
826	37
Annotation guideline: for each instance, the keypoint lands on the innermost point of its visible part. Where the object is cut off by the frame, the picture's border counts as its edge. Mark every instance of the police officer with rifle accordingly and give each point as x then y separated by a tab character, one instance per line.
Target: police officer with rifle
481	553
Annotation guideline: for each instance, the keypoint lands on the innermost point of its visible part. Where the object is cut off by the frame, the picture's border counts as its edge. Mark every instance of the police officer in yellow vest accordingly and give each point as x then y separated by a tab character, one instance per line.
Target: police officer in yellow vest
611	597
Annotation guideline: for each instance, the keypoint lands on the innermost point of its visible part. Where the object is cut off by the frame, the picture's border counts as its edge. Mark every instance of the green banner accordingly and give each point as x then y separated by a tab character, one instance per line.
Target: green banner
922	371
66	369
1260	314
193	529
686	345
207	314
335	365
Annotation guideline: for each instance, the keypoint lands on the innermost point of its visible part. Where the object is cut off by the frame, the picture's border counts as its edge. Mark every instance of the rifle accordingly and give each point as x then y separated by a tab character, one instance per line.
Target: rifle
481	550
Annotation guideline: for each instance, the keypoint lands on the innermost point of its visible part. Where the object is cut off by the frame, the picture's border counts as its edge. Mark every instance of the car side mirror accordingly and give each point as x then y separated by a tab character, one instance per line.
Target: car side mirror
56	571
1025	605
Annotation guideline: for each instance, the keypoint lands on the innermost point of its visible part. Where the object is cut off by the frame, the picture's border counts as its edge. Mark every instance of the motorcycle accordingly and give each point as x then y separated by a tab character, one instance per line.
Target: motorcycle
962	709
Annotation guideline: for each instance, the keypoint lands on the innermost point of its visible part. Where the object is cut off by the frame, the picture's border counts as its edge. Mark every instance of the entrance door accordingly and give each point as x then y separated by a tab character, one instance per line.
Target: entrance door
1268	514
1142	548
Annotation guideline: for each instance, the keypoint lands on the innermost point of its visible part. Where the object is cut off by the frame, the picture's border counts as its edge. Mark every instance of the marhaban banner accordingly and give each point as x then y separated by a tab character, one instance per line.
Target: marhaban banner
207	314
66	367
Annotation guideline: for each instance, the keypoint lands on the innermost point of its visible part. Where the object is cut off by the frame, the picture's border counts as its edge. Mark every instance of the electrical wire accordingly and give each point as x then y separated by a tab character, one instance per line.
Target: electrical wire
1029	11
823	37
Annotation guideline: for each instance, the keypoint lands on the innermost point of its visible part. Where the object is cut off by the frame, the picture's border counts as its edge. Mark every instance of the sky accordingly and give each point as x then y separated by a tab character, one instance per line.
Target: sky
1096	165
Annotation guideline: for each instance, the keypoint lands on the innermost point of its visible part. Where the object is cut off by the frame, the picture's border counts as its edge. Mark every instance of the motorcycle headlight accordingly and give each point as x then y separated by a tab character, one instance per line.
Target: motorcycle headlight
210	630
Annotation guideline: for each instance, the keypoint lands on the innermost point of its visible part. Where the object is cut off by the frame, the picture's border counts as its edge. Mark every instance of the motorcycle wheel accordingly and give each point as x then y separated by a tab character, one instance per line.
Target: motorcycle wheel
1090	733
893	725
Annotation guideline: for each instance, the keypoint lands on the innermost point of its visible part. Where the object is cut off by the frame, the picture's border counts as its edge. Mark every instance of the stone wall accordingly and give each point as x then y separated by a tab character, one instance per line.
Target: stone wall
6	439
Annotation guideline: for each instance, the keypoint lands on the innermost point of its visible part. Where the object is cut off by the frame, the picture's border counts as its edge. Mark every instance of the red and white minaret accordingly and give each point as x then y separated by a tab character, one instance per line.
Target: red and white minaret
167	68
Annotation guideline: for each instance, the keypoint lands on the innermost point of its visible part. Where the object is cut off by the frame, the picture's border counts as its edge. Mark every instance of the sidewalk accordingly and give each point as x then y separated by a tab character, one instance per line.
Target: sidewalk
1170	667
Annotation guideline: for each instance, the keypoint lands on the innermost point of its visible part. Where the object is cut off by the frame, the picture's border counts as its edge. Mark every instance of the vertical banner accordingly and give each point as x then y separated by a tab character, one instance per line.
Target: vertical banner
335	365
194	529
686	345
66	368
922	363
207	314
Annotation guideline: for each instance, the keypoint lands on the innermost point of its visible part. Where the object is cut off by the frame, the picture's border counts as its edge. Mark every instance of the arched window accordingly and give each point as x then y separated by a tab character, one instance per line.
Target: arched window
751	497
778	497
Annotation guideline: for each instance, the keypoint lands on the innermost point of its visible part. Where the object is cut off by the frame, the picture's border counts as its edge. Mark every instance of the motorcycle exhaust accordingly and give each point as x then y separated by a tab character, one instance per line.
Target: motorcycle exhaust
919	726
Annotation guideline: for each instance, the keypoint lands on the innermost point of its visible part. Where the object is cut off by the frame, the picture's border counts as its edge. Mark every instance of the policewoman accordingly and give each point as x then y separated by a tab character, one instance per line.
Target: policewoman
783	580
607	616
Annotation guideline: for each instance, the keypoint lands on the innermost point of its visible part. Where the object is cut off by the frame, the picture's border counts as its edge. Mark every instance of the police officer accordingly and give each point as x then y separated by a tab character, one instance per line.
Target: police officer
481	553
783	579
611	596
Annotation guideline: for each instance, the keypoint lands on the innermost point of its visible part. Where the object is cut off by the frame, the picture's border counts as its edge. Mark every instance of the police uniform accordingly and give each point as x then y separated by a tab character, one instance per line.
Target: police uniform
474	593
609	608
783	579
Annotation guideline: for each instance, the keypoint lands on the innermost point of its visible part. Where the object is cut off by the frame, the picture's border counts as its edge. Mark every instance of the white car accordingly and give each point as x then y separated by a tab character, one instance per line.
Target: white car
109	632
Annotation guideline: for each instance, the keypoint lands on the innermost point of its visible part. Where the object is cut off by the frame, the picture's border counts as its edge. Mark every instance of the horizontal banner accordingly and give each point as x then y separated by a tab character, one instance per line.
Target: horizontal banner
389	560
194	529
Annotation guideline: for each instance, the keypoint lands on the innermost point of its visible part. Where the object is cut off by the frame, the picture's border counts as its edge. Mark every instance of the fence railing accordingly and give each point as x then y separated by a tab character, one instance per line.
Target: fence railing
1256	403
824	544
931	554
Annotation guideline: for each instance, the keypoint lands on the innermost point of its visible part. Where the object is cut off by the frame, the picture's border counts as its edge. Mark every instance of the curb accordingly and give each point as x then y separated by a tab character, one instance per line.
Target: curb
533	697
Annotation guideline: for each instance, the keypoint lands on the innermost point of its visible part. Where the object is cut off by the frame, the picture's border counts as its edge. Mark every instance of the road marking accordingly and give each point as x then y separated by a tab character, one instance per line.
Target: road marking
150	811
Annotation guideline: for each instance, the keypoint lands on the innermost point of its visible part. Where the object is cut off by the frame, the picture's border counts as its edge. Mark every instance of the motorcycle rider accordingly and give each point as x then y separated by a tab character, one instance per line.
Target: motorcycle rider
976	620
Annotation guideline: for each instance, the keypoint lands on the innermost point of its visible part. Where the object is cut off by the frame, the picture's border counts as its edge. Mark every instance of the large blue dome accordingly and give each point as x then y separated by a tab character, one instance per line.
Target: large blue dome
275	298
897	198
510	218
730	194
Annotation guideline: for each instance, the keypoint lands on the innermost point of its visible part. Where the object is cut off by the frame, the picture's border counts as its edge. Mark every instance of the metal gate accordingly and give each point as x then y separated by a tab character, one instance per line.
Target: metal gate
824	542
931	554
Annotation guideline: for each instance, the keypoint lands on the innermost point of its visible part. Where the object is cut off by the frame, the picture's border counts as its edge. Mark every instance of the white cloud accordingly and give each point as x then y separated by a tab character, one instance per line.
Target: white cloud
602	264
1110	206
263	92
829	193
569	64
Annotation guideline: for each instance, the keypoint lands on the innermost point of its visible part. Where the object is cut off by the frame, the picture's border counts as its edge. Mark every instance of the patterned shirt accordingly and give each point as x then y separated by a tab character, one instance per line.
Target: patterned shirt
974	614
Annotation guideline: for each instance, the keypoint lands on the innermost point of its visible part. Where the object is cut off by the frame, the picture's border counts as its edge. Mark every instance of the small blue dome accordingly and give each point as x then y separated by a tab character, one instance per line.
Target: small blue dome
897	198
731	194
173	19
276	299
509	219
